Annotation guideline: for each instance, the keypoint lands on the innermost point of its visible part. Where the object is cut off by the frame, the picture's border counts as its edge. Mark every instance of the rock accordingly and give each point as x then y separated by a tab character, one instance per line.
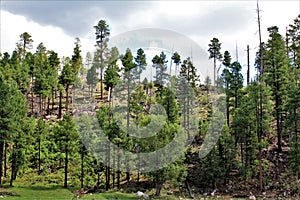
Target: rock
170	192
139	194
213	192
252	197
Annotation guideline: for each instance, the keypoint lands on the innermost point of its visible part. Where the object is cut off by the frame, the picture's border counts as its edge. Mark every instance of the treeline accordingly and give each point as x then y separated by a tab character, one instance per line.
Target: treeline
39	136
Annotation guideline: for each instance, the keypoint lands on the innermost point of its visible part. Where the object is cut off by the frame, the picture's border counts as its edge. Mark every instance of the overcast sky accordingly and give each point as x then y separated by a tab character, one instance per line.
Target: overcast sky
57	23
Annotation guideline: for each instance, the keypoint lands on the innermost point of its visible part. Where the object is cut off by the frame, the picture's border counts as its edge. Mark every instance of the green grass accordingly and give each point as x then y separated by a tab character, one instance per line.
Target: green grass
39	192
106	196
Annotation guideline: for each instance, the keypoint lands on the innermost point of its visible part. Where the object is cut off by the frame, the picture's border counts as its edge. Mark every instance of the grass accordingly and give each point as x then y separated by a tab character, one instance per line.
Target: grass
41	191
38	192
106	196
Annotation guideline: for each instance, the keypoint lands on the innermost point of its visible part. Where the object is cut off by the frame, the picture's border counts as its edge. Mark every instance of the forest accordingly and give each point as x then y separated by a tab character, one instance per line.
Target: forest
47	138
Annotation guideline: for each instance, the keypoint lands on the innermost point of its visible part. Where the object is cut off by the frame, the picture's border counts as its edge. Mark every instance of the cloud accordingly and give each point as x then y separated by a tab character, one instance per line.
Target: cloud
57	23
76	18
54	38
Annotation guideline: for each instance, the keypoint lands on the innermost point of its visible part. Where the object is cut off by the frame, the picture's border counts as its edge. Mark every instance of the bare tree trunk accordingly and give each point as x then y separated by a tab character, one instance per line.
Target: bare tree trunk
66	167
5	155
60	105
107	166
39	155
82	166
1	158
67	98
118	166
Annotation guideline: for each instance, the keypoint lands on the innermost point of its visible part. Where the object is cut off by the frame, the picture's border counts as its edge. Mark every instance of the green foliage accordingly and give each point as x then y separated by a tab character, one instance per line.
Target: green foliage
277	76
91	78
111	75
166	98
176	58
214	52
141	63
295	155
160	65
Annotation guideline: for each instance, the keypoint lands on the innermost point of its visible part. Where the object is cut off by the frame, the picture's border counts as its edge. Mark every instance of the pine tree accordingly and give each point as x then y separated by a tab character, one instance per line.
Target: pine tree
159	63
111	75
276	76
24	44
141	63
214	52
128	66
176	58
13	113
91	79
42	85
189	72
226	75
293	46
68	136
102	37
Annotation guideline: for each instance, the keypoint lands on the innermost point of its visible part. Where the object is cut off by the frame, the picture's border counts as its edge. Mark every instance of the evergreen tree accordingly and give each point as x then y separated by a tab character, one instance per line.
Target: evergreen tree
176	58
226	75
277	76
24	44
189	72
214	52
141	63
293	46
111	75
67	133
91	79
40	132
159	63
102	37
236	82
13	113
128	86
42	85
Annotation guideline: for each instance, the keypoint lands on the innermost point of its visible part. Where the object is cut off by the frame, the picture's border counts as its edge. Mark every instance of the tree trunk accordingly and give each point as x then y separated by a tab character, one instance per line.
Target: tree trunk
1	159
227	106
139	166
66	166
41	111
82	166
260	172
32	97
60	104
101	82
67	98
39	155
158	187
53	97
13	166
188	188
215	63
278	122
5	155
11	176
48	106
118	168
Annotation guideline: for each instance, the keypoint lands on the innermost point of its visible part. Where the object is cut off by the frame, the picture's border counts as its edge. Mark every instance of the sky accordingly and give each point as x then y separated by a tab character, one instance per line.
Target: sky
58	23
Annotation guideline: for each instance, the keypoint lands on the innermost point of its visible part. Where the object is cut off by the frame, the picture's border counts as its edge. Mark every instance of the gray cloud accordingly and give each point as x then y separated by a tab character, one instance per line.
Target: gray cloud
223	19
76	18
